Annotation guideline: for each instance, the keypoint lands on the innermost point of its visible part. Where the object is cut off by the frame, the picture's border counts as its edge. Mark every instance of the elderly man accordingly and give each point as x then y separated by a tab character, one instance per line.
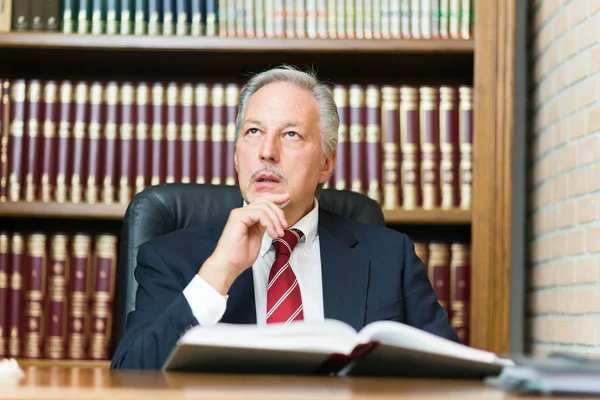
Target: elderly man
279	257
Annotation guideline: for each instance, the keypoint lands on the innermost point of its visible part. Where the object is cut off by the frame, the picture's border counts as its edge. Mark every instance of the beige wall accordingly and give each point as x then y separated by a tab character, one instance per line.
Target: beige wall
564	177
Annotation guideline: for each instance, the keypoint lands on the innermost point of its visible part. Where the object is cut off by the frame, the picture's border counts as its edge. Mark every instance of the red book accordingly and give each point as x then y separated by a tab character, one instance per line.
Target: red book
4	133
409	144
34	142
203	112
439	272
373	142
95	129
15	293
187	159
465	131
217	134
357	138
4	294
430	139
142	117
64	151
172	132
460	290
103	289
449	147
57	290
50	130
111	130
390	125
158	136
36	270
16	140
79	155
231	103
79	297
126	132
342	169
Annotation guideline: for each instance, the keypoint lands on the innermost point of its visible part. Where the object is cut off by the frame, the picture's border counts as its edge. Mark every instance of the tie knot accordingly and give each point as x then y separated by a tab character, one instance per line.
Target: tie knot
286	244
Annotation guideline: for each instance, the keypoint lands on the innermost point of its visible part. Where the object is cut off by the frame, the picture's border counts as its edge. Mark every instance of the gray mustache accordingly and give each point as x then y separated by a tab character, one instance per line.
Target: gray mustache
268	168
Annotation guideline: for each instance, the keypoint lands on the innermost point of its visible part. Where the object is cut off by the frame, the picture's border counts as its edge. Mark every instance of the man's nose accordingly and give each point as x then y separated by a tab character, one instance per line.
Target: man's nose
269	150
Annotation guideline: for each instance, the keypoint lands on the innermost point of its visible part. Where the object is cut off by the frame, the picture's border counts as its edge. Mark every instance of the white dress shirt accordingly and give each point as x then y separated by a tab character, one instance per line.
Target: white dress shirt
208	305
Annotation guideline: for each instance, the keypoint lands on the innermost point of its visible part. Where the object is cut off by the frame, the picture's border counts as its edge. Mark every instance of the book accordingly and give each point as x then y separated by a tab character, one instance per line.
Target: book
331	347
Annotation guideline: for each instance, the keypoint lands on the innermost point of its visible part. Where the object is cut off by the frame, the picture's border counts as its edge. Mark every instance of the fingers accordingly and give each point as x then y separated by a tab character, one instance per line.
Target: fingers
267	215
279	199
262	202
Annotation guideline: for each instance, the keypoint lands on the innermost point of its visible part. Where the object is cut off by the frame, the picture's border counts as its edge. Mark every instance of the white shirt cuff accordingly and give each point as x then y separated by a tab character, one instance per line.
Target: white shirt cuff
207	304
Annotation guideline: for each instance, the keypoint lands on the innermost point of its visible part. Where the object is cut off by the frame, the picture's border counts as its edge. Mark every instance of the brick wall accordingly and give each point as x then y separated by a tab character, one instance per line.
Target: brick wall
563	292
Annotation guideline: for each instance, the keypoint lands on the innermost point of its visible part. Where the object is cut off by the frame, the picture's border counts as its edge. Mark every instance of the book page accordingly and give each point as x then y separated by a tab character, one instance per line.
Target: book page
405	336
329	336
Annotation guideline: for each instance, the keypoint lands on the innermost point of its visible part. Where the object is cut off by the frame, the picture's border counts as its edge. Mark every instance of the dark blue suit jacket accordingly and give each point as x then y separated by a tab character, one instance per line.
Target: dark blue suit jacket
369	272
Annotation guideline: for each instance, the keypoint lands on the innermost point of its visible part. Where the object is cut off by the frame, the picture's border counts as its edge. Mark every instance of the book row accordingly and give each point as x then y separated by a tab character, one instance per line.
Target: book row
102	142
362	19
56	295
57	292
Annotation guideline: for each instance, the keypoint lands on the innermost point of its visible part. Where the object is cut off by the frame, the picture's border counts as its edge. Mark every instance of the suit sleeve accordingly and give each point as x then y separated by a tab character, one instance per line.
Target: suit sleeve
422	308
162	314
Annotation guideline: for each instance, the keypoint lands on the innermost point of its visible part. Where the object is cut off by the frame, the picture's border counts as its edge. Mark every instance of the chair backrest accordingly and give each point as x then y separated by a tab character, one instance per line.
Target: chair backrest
161	209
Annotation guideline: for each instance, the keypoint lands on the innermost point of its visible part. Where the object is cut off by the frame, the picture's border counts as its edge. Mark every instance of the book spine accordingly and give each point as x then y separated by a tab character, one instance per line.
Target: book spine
5	15
21	15
373	139
48	178
34	94
249	20
213	17
391	146
64	154
112	17
79	287
289	8
68	14
425	19
35	294
444	19
460	276
342	169
172	132
98	17
203	127
331	19
158	158
449	147
4	134
409	132
369	19
37	20
126	143
322	19
357	137
83	17
79	141
311	18
231	102
140	19
187	133
430	132
217	133
466	145
17	135
111	130
299	15
439	272
141	135
15	344
222	16
154	20
435	19
454	19
105	261
395	19
95	127
183	16
422	251
126	26
406	19
58	281
197	24
168	28
4	292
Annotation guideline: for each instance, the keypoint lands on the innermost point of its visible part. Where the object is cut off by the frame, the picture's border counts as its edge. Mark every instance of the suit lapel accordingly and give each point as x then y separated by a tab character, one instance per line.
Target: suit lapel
345	273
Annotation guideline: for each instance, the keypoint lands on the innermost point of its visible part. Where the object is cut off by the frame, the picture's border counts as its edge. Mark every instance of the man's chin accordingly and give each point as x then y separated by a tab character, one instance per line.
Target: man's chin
252	194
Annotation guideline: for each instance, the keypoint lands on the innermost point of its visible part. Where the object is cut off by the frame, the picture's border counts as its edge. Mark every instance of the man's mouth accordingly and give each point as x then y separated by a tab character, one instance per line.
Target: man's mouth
268	178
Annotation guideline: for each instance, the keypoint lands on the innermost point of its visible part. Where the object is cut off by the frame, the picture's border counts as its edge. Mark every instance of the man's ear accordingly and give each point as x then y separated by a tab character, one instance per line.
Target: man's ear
235	161
327	167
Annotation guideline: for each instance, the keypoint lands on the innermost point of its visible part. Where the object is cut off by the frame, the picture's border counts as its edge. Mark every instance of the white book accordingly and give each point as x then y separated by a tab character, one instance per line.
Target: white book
331	347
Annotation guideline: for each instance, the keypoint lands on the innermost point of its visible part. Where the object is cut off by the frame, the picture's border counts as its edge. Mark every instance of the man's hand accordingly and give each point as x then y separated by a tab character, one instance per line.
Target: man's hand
241	240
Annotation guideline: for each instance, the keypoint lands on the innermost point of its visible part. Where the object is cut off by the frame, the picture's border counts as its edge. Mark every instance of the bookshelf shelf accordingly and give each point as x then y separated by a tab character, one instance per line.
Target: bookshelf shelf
117	211
25	363
227	44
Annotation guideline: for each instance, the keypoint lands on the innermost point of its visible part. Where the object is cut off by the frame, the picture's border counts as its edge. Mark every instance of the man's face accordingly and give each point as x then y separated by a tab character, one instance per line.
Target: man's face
279	146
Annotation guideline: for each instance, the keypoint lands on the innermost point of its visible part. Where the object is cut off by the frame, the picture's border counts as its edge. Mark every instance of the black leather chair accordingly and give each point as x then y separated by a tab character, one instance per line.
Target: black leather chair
161	209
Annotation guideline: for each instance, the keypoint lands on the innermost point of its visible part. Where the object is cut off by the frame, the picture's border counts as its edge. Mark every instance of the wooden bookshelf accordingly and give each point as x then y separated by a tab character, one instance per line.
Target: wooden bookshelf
25	363
23	40
117	211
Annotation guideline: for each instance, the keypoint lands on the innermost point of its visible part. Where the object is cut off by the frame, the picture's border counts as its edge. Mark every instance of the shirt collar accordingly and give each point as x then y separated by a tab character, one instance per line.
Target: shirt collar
307	224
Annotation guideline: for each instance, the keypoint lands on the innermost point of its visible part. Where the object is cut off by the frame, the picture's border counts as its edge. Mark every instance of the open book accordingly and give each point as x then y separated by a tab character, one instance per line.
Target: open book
382	348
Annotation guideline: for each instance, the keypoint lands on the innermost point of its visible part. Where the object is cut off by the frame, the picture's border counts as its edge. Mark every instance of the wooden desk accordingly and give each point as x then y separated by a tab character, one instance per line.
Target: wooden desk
66	382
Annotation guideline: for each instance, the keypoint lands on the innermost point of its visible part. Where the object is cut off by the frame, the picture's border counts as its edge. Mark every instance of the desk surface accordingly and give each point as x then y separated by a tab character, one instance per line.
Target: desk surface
68	382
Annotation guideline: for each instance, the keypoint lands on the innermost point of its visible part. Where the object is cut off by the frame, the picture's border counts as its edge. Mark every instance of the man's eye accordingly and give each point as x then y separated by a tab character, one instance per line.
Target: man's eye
293	134
253	131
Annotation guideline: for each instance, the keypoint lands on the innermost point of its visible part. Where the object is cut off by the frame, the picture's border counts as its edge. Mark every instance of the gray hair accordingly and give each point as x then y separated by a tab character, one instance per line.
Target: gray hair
329	120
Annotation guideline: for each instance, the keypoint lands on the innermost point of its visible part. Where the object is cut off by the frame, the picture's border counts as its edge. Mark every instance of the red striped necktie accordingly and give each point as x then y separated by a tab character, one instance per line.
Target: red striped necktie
284	301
